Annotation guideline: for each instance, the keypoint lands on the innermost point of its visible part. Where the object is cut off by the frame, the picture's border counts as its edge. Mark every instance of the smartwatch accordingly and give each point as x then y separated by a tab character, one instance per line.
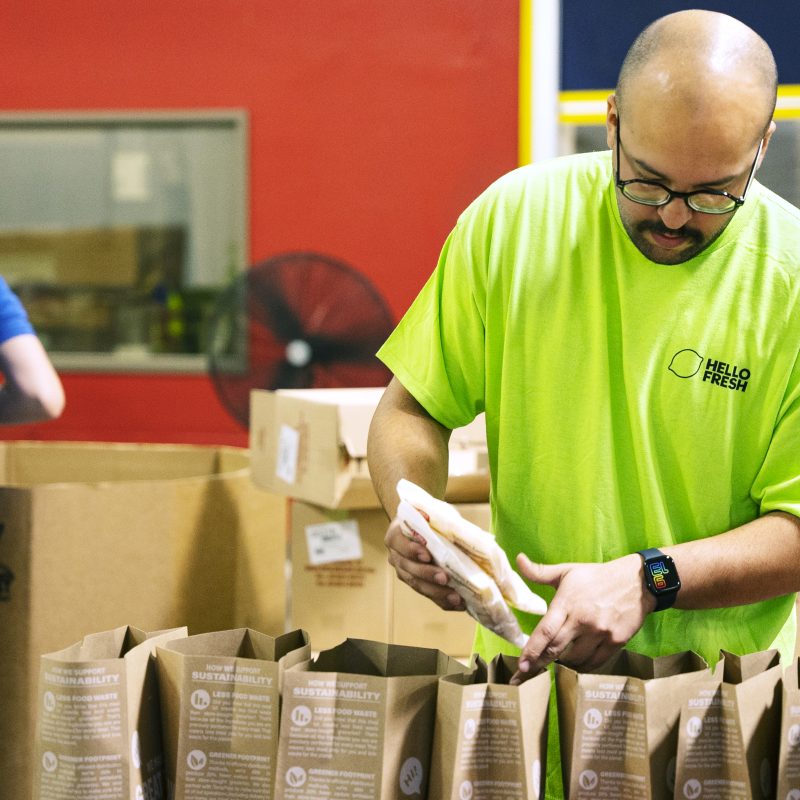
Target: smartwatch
660	577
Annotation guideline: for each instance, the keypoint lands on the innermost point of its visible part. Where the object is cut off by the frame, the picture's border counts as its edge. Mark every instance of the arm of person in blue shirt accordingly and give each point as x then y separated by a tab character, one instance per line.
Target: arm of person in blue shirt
32	391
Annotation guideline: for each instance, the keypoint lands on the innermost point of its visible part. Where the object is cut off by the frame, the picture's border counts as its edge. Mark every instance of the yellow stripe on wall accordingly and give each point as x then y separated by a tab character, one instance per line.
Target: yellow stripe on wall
525	127
588	107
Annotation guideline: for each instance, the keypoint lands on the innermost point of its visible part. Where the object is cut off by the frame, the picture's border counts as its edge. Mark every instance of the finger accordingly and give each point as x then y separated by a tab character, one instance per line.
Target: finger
548	640
547	574
599	657
581	651
430	582
409	548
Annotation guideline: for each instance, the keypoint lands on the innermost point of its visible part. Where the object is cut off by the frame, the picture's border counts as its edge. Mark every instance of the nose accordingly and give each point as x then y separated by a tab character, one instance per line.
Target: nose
675	214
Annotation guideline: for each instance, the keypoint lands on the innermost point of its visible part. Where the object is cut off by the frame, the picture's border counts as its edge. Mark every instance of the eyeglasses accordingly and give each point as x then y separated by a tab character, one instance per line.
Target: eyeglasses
707	201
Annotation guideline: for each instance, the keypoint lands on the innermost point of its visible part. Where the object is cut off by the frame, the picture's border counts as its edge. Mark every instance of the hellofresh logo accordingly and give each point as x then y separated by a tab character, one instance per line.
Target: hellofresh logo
687	363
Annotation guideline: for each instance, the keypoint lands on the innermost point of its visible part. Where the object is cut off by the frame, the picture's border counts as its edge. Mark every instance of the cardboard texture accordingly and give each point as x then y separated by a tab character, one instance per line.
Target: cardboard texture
618	726
789	746
490	738
343	585
220	703
357	723
96	536
729	730
99	727
311	444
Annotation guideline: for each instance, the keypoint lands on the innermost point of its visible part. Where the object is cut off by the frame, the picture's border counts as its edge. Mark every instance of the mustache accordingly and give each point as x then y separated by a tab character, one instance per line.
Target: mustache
659	227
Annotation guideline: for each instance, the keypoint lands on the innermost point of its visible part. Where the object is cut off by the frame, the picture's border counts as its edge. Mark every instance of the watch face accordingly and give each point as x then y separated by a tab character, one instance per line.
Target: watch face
663	576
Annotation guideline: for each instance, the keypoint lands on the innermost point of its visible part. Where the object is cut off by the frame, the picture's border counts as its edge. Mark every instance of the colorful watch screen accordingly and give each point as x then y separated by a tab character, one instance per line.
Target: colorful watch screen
662	577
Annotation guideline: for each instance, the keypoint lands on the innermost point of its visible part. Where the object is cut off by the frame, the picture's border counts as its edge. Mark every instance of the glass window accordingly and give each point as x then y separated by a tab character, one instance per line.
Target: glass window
118	230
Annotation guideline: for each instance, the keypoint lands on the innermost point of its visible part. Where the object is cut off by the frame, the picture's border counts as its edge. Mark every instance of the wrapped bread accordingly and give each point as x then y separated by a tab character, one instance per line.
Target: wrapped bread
477	567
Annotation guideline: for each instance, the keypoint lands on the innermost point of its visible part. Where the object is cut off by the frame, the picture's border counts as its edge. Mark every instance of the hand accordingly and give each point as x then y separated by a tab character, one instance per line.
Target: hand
413	564
596	609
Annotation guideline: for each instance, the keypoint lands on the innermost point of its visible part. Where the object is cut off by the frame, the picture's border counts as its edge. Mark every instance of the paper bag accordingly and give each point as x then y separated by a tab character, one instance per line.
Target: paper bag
789	749
490	738
729	729
99	726
618	725
220	703
357	723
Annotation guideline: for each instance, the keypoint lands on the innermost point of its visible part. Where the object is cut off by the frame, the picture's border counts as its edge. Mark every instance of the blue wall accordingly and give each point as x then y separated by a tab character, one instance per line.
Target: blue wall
597	33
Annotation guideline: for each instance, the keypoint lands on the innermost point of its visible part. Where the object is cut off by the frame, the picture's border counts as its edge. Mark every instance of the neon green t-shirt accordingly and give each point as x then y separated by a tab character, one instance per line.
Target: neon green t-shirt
628	404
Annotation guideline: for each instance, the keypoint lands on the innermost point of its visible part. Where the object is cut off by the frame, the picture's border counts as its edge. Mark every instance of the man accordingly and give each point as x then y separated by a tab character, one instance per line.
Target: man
630	323
32	391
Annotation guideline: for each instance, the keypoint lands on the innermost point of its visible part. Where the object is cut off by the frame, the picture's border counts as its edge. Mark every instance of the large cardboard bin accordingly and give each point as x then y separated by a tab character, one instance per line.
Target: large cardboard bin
96	536
311	444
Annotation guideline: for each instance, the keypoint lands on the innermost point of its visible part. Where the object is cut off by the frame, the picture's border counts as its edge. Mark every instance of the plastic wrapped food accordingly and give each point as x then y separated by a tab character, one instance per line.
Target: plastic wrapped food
478	569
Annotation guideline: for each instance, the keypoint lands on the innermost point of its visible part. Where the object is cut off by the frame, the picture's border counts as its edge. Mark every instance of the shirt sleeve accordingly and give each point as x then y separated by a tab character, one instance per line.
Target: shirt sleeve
13	317
437	350
777	485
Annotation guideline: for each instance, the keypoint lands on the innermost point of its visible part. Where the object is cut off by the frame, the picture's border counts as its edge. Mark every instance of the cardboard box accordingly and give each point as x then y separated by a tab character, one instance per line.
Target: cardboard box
311	444
342	584
96	536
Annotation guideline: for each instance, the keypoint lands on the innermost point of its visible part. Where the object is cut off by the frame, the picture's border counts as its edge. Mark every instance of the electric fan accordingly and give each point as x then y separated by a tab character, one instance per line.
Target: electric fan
298	320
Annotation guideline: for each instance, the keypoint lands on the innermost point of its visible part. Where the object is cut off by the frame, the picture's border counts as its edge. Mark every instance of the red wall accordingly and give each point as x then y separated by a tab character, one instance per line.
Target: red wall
372	124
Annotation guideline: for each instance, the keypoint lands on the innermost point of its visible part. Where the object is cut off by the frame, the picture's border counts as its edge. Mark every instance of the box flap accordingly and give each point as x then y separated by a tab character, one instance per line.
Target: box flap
355	407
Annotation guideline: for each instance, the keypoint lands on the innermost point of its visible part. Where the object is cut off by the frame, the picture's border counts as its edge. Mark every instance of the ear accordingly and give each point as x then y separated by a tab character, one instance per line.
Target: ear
767	137
612	120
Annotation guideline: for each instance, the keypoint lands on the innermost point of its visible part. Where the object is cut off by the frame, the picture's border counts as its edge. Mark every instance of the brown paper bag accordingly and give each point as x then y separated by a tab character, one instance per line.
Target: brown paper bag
490	738
729	729
99	728
789	752
220	700
357	723
618	726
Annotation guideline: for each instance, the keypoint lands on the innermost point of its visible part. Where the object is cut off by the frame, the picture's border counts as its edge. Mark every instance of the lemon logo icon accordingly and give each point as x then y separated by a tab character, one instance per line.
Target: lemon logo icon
685	363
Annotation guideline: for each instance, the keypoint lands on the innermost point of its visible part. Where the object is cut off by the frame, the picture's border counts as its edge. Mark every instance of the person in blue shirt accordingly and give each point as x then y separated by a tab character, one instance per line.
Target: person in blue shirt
32	391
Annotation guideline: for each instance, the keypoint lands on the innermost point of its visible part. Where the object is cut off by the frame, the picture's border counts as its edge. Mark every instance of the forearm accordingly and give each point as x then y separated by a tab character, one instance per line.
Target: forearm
405	442
756	561
32	391
584	627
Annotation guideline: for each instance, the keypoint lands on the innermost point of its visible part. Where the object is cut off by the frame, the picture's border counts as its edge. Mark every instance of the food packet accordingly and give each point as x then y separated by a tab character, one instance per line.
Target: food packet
484	599
478	544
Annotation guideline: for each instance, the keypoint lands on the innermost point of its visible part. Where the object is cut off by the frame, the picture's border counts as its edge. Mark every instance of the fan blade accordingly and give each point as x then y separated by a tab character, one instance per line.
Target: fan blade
265	299
326	349
291	377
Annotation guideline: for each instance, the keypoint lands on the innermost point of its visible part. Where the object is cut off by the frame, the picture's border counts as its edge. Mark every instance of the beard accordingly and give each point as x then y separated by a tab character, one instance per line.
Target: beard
695	241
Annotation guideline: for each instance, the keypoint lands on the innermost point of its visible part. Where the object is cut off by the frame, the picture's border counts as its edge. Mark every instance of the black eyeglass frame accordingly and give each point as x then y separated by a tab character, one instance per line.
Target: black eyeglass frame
685	196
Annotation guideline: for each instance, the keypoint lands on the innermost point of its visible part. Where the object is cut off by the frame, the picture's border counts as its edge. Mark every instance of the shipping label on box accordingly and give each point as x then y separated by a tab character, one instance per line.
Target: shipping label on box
341	583
311	444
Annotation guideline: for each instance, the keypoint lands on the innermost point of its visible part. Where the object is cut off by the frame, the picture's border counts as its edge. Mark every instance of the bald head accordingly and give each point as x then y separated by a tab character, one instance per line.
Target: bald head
699	61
